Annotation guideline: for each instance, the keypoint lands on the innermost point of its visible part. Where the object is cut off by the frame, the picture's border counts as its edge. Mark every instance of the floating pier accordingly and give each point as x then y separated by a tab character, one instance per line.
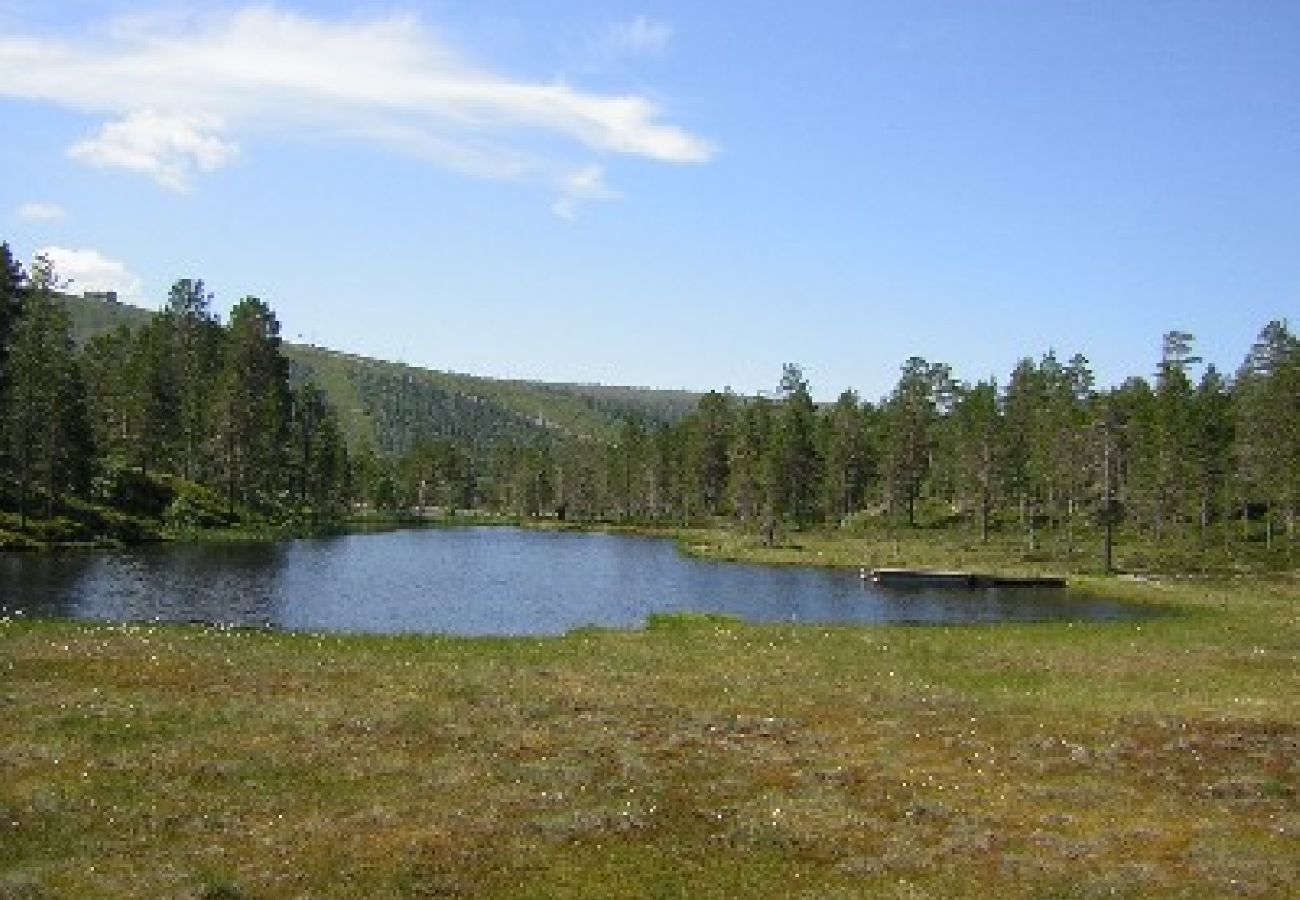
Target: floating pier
941	577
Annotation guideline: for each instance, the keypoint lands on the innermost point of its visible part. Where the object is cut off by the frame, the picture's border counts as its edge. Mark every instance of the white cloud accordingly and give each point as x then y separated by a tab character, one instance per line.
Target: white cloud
582	186
41	212
177	88
165	147
90	270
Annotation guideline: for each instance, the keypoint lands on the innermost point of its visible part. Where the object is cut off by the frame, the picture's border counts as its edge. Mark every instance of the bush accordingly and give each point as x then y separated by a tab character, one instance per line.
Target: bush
183	513
129	529
10	540
78	521
91	517
59	530
194	506
137	493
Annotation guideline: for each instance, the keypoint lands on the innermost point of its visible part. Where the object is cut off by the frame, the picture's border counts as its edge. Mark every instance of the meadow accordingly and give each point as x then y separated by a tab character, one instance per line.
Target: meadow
697	757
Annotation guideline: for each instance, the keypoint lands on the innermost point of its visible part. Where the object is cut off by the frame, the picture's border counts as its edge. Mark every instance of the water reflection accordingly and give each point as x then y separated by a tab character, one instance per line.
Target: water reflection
42	584
220	584
481	581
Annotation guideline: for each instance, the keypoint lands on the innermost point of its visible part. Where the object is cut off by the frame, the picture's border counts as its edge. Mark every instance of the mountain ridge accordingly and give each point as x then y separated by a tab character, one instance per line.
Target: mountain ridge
391	405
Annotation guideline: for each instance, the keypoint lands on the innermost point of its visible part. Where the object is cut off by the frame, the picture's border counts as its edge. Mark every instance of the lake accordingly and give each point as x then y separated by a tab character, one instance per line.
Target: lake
481	581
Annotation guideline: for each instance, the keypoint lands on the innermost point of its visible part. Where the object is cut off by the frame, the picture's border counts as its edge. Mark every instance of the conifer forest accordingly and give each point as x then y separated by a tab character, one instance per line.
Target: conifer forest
181	422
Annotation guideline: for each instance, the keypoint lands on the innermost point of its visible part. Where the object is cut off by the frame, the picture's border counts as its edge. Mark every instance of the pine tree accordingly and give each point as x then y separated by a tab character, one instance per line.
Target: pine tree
977	426
709	451
319	454
1048	456
1077	440
1132	405
847	452
1268	426
251	408
629	461
11	301
1173	433
48	436
192	337
365	470
794	461
1045	448
12	282
911	413
747	483
111	370
1021	406
669	491
1211	452
156	397
533	473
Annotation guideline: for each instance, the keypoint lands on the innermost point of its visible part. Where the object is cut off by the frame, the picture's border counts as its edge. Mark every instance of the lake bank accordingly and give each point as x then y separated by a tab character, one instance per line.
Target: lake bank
698	757
155	532
487	581
866	544
956	548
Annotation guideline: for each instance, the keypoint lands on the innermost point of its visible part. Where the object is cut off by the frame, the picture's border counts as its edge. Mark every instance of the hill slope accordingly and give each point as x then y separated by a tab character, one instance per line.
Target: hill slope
92	317
390	405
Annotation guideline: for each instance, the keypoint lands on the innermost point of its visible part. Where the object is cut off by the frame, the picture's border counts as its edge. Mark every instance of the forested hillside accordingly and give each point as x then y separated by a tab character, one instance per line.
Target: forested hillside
390	406
643	404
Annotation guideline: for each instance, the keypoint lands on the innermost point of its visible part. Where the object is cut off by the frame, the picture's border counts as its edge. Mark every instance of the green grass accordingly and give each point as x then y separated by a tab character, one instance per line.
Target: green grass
699	757
951	546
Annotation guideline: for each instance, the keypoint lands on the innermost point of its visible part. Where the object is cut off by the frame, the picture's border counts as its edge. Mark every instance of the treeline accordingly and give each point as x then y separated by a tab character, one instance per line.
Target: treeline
186	421
1047	456
193	422
1187	457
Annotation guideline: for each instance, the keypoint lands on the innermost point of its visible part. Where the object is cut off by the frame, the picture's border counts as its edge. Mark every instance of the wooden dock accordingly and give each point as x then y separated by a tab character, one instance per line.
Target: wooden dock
941	578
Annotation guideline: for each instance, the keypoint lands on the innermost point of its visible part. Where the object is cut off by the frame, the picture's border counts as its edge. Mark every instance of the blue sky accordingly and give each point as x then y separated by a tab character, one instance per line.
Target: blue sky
675	194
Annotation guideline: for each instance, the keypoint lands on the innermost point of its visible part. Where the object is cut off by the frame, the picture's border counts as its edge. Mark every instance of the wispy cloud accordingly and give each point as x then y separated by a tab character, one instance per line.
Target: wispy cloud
584	185
611	46
639	36
181	90
90	270
41	212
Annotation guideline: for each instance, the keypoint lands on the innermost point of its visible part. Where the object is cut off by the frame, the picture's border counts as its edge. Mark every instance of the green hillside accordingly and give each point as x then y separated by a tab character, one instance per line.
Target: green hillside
654	405
92	317
391	405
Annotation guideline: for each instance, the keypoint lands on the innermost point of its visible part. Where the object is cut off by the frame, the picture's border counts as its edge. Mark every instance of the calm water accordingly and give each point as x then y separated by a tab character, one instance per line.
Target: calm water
479	581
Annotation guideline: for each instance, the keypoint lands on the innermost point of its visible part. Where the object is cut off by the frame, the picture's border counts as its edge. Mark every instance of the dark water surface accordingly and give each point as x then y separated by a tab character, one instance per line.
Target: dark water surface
481	581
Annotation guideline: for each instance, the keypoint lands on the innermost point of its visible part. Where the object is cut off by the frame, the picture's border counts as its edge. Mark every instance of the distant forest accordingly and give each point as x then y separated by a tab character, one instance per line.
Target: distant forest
176	420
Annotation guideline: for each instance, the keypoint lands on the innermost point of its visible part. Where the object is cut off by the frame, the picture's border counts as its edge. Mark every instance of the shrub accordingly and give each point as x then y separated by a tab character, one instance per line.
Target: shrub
183	513
129	529
137	493
195	506
10	540
59	530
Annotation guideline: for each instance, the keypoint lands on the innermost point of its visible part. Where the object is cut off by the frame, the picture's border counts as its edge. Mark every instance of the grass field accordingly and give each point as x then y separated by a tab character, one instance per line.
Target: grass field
871	543
696	758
